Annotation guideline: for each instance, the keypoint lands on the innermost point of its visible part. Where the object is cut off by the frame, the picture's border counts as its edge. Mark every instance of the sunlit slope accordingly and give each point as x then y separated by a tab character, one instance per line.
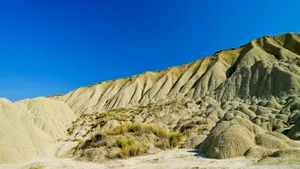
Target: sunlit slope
29	127
264	67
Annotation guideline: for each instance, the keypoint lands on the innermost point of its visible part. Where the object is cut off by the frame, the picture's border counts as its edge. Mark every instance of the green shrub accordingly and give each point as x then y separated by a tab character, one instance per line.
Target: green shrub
130	148
172	140
121	142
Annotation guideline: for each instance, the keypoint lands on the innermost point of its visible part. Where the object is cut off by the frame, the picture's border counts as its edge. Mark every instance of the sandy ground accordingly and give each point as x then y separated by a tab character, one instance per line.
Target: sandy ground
170	159
177	158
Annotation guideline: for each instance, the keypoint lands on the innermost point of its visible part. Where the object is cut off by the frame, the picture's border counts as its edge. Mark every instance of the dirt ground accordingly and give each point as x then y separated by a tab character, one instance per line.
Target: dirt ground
170	159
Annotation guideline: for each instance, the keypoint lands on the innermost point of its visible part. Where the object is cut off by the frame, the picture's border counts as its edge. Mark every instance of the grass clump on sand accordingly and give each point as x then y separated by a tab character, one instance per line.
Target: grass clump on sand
124	141
166	139
130	148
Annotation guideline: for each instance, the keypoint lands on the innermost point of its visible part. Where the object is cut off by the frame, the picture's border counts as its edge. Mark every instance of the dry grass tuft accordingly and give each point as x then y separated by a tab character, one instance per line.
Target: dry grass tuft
127	140
130	148
166	139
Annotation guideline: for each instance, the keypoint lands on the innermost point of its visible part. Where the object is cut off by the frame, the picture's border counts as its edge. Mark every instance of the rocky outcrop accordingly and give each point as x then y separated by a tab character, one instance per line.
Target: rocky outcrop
239	137
170	115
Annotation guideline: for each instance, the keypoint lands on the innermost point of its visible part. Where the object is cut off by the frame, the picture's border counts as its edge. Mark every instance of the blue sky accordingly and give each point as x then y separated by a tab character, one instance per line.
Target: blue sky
51	47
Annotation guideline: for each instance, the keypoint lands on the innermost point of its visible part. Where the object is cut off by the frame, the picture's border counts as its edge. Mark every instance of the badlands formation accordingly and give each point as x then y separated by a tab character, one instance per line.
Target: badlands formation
241	103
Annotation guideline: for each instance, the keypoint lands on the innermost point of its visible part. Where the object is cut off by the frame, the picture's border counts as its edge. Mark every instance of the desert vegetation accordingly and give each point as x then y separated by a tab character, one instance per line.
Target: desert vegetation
166	139
130	147
126	140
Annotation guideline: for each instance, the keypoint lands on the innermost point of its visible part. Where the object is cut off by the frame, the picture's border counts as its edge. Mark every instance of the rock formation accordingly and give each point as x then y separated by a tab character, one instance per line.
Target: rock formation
265	67
238	137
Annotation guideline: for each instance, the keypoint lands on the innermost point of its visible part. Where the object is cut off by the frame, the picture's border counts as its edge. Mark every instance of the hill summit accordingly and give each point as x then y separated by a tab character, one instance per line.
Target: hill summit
265	67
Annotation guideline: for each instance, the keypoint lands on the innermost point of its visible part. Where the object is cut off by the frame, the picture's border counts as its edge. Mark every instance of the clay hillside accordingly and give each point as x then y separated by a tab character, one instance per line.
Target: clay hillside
238	102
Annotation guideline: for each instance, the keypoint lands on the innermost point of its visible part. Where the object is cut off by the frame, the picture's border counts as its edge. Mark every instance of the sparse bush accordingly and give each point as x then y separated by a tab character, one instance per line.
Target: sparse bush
174	139
97	140
167	140
131	139
137	128
119	114
130	148
163	144
121	142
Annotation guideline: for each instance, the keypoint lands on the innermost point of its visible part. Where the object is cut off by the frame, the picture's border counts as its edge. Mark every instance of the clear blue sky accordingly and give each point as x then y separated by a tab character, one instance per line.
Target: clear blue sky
52	47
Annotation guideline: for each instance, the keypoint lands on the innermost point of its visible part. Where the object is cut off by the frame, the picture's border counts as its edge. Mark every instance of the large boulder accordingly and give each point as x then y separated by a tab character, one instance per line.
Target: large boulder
239	137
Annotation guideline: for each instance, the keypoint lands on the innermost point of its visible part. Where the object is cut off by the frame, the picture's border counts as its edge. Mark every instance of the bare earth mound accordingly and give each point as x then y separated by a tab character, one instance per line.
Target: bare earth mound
239	137
30	127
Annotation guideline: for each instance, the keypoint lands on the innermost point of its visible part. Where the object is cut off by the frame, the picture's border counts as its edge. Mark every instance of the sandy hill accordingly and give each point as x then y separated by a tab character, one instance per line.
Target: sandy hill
258	81
265	67
30	127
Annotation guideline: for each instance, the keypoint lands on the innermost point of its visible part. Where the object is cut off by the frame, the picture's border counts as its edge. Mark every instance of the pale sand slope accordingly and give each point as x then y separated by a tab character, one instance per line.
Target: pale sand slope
170	159
173	159
29	128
